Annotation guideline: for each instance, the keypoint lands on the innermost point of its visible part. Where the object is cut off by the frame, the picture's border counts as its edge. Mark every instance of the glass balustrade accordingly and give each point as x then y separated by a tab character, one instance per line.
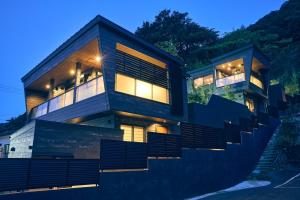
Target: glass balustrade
61	101
230	80
84	91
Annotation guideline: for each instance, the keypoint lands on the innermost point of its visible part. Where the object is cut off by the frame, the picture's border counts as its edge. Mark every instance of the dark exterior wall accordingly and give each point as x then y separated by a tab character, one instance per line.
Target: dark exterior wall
34	98
107	121
52	139
216	111
123	102
70	140
197	172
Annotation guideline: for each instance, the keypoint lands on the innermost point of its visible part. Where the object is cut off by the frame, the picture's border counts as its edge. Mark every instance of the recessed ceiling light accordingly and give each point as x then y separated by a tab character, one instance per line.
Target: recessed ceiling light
72	72
98	58
47	86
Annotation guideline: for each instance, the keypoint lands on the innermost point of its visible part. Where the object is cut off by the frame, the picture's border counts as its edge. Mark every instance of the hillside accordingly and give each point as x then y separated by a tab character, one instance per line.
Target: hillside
277	34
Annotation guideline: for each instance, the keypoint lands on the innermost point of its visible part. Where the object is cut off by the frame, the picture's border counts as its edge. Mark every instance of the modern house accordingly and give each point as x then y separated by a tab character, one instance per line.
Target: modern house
106	76
244	73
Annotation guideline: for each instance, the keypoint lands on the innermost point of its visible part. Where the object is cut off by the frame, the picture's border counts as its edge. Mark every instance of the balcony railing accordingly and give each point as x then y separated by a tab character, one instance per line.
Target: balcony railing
83	91
230	80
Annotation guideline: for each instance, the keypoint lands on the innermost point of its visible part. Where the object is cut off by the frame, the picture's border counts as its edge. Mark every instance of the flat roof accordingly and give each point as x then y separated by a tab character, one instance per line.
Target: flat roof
105	22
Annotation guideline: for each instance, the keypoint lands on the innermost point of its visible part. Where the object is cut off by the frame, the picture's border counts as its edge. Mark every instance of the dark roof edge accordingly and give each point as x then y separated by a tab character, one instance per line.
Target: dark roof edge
244	48
100	20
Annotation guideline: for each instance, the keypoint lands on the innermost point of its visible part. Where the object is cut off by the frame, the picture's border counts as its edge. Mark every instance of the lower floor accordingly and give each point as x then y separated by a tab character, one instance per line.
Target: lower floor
135	126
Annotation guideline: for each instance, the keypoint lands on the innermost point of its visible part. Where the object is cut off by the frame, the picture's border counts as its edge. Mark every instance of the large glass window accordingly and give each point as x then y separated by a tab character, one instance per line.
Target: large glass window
125	84
133	133
230	73
141	89
160	94
204	80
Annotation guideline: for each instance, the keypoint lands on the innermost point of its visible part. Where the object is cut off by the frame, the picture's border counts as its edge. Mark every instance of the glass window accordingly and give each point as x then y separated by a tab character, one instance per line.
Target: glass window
138	134
250	104
160	94
205	80
157	128
256	81
127	136
133	133
230	68
125	84
143	89
198	82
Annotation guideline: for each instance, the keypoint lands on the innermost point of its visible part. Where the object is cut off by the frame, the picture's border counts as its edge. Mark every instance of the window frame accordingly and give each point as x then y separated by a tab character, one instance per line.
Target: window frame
135	89
203	82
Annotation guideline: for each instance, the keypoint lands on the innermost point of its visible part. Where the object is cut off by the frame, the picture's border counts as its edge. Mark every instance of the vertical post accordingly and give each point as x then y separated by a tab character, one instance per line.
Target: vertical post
77	79
51	88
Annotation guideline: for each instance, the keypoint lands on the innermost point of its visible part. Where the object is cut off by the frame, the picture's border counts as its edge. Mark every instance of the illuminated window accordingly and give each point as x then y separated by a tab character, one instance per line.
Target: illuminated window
250	104
143	89
133	133
157	128
256	81
138	134
205	80
125	84
230	73
160	94
127	136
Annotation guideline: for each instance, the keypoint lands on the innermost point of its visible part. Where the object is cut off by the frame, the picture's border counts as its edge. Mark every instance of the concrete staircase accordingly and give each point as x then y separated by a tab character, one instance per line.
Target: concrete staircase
268	157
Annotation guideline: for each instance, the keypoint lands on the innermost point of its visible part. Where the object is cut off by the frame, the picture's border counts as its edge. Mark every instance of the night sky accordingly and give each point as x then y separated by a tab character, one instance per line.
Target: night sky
30	30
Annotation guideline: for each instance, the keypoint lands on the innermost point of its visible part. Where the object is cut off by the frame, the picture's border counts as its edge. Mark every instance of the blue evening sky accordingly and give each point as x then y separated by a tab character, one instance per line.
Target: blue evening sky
30	30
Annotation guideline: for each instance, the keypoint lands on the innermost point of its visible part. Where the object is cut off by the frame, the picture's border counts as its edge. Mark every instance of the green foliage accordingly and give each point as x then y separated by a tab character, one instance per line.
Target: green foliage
12	125
200	94
178	30
228	93
276	34
287	134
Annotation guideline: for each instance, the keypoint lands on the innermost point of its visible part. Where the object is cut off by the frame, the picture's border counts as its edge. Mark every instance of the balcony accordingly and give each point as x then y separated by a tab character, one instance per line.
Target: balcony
79	93
229	80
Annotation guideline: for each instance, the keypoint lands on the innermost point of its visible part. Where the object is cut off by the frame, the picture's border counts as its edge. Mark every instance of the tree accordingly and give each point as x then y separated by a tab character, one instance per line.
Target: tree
200	94
175	30
228	93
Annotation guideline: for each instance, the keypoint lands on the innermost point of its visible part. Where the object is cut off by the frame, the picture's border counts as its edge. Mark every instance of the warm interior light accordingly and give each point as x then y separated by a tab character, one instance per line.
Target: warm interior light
47	86
98	58
228	68
229	64
72	72
223	66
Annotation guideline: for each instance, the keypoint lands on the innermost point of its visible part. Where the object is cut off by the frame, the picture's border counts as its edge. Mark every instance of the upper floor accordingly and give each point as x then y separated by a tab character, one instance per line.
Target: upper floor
105	68
244	72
